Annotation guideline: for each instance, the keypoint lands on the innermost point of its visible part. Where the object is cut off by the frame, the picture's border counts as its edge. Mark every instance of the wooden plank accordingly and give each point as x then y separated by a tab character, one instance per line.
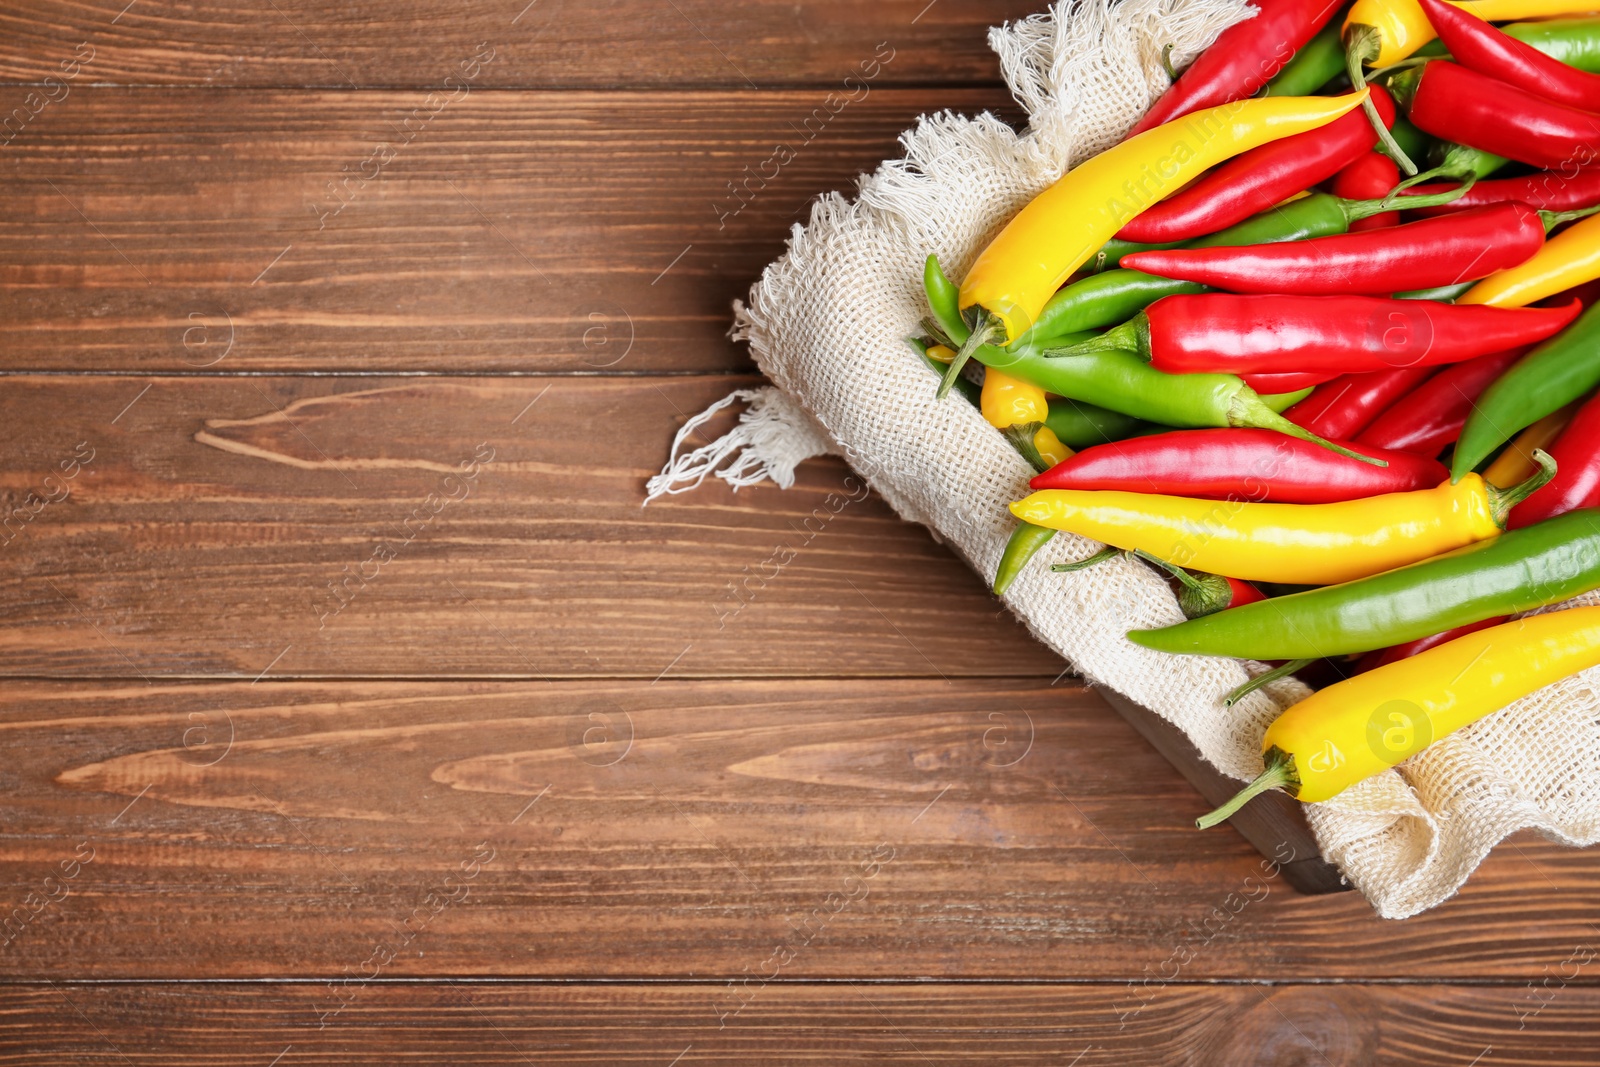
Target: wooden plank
1374	1025
899	829
536	43
1275	824
189	230
326	528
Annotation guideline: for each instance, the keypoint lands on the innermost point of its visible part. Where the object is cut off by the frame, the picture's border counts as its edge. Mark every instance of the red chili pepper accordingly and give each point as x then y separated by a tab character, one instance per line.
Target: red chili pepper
1260	465
1243	592
1225	333
1291	382
1255	181
1431	415
1371	177
1244	57
1345	406
1461	105
1577	481
1478	46
1418	255
1568	190
1384	656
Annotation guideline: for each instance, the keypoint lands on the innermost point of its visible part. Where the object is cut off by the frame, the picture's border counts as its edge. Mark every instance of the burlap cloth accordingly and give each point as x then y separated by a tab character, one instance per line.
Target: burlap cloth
827	324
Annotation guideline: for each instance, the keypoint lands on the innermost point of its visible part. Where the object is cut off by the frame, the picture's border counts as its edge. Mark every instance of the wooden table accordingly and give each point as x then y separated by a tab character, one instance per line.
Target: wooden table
355	712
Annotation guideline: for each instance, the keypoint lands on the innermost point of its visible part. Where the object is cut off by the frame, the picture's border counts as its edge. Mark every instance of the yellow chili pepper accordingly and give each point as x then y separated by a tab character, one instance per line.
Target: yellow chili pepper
1063	226
942	353
1355	728
1570	258
1299	544
1400	28
1009	401
1516	463
1049	446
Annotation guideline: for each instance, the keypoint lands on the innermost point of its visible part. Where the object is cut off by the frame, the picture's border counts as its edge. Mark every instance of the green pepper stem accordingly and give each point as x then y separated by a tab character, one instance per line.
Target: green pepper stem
1260	680
1188	580
1131	336
1089	561
989	328
1278	773
1021	438
1552	219
1362	45
1396	202
934	329
1501	501
1166	62
1248	409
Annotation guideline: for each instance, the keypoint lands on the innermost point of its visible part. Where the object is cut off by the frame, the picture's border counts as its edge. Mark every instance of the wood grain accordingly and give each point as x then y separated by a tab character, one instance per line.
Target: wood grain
542	43
678	829
197	231
320	526
1358	1025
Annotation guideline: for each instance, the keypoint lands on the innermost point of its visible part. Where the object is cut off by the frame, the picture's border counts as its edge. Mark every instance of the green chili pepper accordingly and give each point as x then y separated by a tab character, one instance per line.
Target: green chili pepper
1547	379
1518	571
1026	540
944	300
1319	61
1079	425
1575	42
1124	382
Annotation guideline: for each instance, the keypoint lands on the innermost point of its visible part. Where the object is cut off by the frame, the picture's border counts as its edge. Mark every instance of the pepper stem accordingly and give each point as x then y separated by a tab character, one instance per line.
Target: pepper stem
1089	561
1266	678
1552	219
1188	580
1131	336
1021	438
1396	202
1248	409
1279	773
1362	45
988	328
1501	501
1166	62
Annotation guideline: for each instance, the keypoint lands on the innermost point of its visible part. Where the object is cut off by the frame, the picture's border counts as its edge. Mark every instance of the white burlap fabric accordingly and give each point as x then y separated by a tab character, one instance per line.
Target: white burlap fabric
827	324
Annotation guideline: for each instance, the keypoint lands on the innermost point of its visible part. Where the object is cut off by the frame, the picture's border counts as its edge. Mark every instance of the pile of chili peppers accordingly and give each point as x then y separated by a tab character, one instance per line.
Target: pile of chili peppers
1350	409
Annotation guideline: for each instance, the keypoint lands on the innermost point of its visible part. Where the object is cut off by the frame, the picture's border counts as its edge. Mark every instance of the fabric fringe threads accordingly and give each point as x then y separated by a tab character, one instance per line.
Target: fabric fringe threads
827	324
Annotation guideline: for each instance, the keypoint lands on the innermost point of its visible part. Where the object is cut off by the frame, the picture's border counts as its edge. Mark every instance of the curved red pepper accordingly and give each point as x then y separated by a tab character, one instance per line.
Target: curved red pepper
1577	481
1244	57
1384	656
1253	182
1289	382
1473	109
1243	593
1345	406
1464	247
1241	464
1479	46
1264	334
1371	177
1570	189
1430	416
